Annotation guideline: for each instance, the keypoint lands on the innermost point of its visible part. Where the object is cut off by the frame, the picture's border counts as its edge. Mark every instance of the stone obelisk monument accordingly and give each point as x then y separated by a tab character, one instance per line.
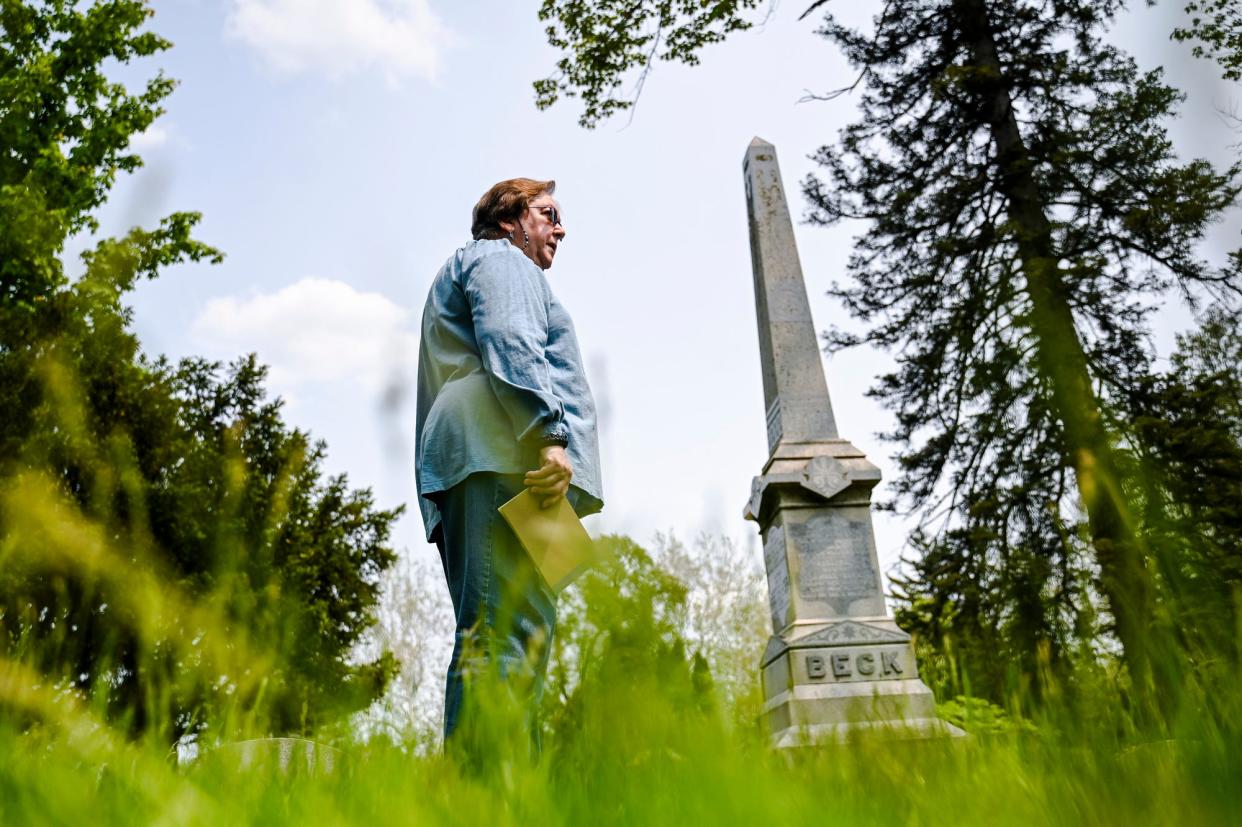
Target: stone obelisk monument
836	662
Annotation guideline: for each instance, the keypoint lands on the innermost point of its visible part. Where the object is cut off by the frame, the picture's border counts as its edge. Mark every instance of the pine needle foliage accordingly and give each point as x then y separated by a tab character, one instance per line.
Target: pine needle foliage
1024	213
1188	426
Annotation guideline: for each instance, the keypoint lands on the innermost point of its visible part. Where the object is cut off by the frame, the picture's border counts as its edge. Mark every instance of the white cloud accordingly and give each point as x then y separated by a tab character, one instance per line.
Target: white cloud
338	37
152	137
313	331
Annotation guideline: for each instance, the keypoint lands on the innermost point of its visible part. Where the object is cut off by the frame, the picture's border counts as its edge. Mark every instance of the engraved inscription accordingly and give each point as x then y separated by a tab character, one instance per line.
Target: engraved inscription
774	422
853	666
835	564
778	576
889	660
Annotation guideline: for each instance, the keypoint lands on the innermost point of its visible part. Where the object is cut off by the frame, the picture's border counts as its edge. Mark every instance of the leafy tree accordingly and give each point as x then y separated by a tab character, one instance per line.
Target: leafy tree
605	40
619	659
414	621
725	617
158	522
709	596
1216	30
1024	212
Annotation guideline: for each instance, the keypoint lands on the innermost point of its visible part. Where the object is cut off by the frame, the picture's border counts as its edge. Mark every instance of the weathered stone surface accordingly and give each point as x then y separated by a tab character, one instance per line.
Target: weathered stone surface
794	389
848	632
833	563
836	663
826	476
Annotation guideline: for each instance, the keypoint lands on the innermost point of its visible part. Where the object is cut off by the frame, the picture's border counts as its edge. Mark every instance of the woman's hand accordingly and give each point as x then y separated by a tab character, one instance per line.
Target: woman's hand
551	481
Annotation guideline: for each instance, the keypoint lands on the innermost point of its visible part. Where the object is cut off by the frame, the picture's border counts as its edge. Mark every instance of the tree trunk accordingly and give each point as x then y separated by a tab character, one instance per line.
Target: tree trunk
1061	358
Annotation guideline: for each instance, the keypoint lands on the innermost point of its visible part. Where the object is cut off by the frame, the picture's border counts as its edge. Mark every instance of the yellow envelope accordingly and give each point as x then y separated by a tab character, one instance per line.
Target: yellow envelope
554	538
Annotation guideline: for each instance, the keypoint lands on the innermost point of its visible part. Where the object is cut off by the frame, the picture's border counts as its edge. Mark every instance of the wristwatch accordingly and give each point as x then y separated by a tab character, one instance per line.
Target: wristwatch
557	436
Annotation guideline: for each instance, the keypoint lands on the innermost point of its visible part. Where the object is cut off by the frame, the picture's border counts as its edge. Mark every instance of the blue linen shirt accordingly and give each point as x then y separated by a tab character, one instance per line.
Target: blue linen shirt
498	370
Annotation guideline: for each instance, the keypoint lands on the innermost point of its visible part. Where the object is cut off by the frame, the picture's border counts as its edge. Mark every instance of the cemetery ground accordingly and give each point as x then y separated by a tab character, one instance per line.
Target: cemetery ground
643	736
642	723
637	759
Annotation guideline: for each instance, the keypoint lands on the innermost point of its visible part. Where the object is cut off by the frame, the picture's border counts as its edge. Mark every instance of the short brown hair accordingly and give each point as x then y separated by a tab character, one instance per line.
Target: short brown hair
505	202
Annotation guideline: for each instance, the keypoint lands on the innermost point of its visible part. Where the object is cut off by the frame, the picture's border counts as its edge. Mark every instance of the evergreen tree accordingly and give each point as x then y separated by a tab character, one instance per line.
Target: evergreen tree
1188	427
1024	212
157	521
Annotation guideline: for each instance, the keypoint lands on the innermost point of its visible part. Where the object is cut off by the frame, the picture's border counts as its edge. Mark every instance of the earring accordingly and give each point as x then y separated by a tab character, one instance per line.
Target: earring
527	237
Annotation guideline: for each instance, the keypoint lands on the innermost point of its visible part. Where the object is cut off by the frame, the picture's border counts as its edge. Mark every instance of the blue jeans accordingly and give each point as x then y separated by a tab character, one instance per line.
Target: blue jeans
505	612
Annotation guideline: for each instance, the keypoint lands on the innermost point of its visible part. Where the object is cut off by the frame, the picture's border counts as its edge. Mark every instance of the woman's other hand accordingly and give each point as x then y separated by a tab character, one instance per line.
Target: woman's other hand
551	481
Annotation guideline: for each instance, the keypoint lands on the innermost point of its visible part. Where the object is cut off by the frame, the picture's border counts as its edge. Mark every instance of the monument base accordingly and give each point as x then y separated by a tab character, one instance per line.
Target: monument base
289	756
845	679
812	736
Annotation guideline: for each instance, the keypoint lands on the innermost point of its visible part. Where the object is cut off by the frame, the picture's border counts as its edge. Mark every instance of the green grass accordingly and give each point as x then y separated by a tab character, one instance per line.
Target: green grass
632	758
635	739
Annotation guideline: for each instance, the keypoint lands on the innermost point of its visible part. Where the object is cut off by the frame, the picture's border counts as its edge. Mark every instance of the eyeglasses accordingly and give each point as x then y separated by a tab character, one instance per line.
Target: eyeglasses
551	214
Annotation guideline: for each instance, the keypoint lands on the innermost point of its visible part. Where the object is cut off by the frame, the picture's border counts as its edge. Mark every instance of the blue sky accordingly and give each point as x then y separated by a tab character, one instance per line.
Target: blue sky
336	147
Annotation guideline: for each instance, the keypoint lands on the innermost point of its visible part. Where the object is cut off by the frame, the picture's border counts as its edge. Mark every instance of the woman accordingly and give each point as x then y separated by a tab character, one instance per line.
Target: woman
503	403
